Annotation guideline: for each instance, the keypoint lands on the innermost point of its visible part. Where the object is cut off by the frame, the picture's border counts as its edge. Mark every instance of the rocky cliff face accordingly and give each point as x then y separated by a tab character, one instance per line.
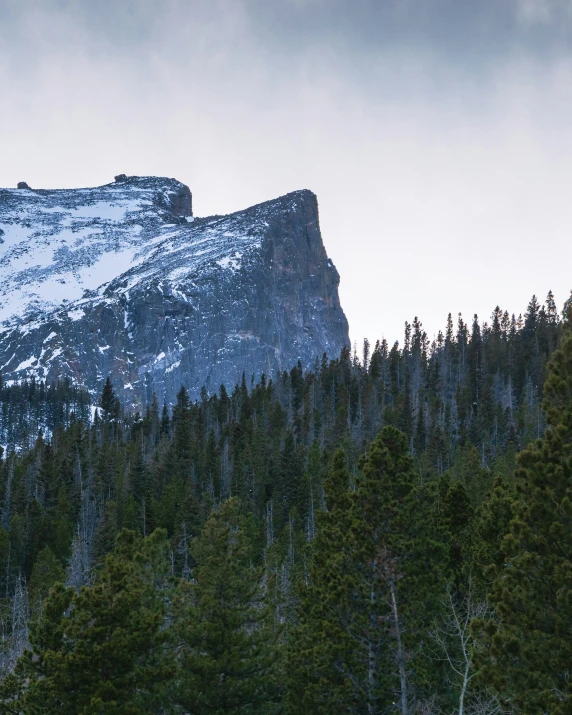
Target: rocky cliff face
121	280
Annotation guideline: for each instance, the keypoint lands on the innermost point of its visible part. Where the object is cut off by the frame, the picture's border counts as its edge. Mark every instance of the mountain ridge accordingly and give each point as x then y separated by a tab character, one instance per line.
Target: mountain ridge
123	280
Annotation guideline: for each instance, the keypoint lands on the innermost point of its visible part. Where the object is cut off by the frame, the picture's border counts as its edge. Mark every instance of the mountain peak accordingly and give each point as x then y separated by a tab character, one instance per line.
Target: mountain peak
119	279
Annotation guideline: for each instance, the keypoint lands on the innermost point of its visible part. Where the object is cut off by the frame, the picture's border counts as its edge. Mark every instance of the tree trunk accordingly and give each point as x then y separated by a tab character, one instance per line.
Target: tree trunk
400	652
371	651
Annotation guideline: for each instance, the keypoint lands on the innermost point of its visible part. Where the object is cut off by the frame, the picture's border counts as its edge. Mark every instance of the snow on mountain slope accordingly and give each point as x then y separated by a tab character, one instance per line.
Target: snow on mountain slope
56	245
121	280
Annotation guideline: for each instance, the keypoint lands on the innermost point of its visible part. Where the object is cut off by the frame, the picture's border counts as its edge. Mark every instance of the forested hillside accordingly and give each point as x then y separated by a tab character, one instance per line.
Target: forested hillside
323	542
28	408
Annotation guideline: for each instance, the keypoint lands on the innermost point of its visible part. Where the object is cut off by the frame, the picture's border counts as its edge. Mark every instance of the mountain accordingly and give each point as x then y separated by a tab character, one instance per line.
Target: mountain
122	280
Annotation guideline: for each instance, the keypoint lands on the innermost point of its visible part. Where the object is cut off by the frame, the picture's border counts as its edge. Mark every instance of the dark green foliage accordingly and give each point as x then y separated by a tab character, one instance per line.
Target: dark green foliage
109	402
455	518
223	630
378	574
46	573
330	552
321	647
402	559
530	642
100	650
486	534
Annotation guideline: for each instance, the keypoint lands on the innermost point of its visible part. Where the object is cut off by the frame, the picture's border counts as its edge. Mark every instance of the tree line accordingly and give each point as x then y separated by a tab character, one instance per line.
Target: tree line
360	538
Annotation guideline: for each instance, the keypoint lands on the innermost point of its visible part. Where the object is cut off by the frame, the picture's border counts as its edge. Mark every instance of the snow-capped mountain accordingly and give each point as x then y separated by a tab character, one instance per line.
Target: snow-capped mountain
121	280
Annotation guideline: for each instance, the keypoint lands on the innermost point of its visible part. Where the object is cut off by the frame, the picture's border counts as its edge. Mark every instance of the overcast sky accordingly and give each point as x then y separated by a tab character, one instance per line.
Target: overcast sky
437	134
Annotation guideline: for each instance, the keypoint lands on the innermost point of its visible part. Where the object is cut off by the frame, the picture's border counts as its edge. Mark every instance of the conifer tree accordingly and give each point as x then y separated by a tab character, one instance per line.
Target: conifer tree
47	571
182	435
270	444
165	422
100	650
487	530
456	516
320	655
530	647
222	632
109	402
401	563
374	589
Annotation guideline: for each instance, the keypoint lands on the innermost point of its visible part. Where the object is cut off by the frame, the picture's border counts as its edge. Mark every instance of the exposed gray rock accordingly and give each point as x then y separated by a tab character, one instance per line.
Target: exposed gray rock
121	280
22	185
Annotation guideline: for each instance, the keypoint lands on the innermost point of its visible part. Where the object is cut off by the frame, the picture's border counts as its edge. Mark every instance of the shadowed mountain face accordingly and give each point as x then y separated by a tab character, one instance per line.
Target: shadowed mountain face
121	280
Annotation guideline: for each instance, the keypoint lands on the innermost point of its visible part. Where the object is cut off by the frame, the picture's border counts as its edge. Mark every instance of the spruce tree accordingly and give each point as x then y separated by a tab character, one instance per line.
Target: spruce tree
320	653
109	402
47	571
530	646
374	588
223	634
401	560
100	650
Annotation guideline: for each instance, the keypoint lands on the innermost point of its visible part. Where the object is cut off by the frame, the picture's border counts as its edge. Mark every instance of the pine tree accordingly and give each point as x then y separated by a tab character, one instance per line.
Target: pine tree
487	530
100	650
225	644
456	516
165	422
374	589
182	435
320	655
288	482
270	444
109	402
530	648
46	572
401	562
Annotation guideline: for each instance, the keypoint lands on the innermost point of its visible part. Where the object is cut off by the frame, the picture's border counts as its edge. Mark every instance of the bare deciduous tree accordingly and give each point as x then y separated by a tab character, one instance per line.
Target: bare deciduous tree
14	628
386	565
82	545
456	646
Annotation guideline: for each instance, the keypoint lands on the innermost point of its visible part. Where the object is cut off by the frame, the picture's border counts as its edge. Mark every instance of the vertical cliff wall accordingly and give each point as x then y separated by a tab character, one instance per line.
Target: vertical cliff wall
121	280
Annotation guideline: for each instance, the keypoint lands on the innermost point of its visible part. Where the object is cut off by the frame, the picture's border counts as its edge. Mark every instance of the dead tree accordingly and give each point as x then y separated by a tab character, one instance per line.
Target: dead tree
456	646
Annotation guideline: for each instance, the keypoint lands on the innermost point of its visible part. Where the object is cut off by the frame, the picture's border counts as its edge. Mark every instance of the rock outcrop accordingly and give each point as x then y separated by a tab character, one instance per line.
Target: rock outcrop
120	280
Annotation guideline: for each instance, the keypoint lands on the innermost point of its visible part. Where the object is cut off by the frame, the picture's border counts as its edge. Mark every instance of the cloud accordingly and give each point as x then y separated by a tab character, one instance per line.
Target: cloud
475	33
435	132
543	12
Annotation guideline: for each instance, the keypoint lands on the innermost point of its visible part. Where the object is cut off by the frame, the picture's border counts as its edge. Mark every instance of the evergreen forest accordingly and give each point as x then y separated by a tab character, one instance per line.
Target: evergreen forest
389	532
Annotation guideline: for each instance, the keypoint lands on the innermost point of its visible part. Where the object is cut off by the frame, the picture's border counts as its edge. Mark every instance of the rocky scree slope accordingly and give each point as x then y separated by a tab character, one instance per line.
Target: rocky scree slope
121	280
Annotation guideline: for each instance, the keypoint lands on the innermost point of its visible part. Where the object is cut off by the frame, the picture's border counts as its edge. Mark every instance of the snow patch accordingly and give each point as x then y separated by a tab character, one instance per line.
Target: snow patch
173	366
105	210
76	314
231	261
26	364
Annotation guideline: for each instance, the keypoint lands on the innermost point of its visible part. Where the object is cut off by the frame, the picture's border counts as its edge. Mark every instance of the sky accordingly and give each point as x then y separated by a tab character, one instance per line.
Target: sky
437	134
